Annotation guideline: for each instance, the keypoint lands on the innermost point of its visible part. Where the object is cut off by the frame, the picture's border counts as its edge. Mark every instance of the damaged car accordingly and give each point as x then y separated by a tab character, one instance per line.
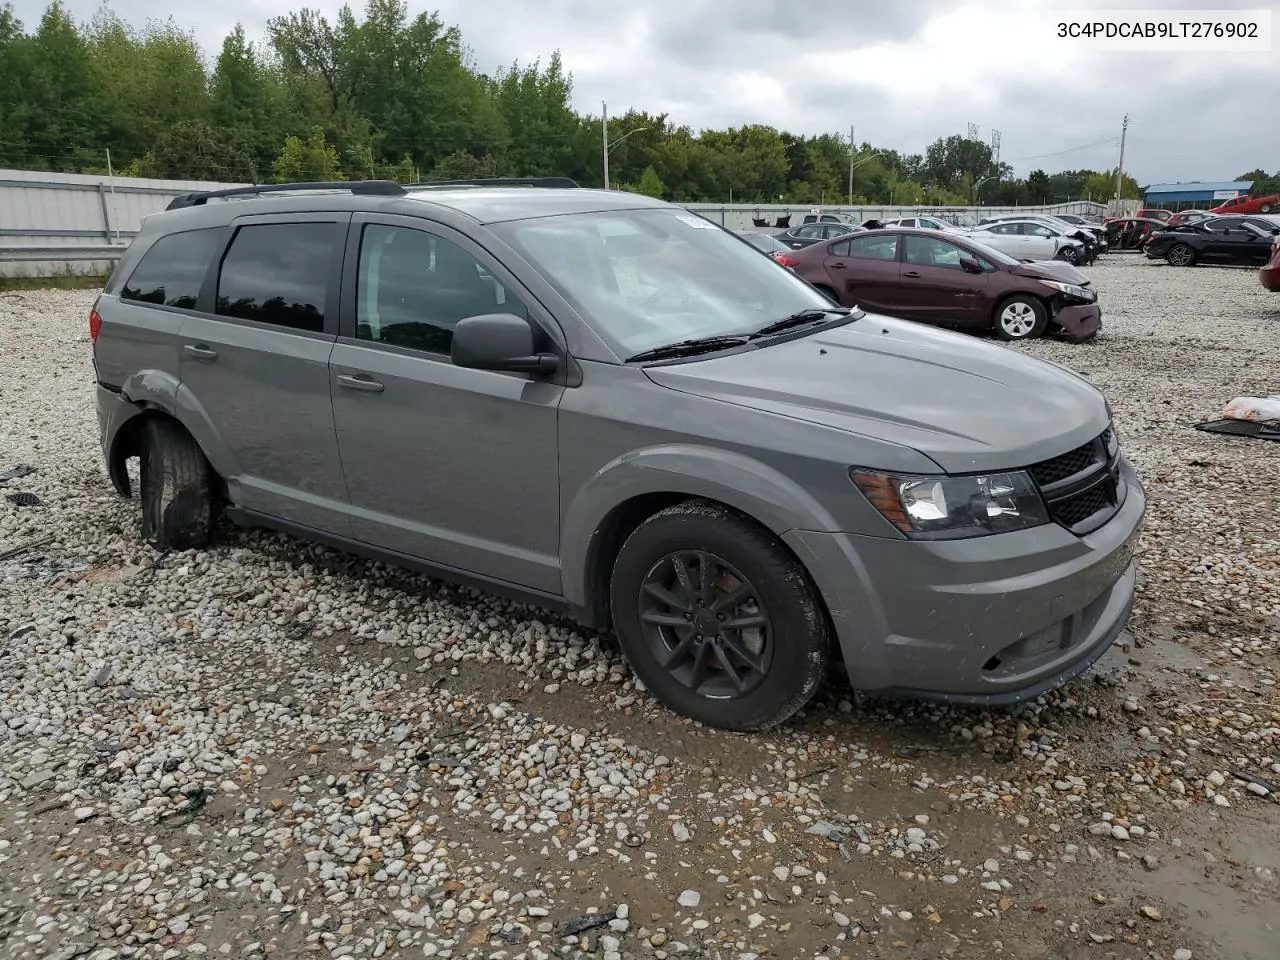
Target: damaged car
952	280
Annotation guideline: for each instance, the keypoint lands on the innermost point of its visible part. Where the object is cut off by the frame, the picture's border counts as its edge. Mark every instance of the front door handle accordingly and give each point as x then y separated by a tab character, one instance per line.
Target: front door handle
837	266
200	352
360	383
912	274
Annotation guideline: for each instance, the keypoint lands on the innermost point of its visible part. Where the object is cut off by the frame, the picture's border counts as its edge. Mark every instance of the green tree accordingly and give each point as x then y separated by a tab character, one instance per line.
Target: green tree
1264	184
248	97
307	160
650	184
461	165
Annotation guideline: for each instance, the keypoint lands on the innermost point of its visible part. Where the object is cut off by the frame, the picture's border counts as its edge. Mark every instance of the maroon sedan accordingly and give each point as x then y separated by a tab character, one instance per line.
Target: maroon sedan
948	280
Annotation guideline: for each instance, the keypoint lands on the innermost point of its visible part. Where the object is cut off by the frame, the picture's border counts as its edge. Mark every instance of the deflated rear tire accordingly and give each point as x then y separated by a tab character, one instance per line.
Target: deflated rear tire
177	488
1021	317
717	619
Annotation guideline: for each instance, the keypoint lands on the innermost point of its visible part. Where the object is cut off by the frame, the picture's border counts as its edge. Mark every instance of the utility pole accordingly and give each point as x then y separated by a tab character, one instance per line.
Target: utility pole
1120	166
851	149
604	139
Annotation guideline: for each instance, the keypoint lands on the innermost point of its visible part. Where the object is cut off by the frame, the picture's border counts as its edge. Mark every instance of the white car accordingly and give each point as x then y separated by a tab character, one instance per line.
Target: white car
1030	240
926	223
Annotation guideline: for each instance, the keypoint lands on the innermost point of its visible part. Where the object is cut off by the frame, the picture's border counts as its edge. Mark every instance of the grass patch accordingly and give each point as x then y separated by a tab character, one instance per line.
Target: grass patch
67	282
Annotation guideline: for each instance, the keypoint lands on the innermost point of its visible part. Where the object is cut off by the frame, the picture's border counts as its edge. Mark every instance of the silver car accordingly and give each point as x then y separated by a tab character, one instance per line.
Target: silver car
1030	240
603	405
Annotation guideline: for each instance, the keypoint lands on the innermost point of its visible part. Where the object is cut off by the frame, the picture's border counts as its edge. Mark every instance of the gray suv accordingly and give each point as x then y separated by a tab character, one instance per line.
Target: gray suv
604	404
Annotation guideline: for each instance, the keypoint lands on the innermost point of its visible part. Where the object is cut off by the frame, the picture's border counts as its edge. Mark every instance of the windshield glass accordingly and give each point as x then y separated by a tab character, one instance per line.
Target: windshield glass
648	278
990	252
762	241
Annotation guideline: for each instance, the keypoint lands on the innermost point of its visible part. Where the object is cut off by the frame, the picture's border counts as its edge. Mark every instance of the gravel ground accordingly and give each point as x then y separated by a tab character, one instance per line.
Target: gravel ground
272	749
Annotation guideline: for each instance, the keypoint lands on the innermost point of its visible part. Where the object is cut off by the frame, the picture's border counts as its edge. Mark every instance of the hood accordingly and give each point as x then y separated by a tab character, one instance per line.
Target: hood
1051	270
966	404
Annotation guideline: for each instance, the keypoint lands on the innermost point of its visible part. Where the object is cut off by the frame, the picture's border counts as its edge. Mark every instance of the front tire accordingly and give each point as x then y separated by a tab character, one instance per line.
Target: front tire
1021	317
1266	208
1069	254
1180	255
717	619
177	488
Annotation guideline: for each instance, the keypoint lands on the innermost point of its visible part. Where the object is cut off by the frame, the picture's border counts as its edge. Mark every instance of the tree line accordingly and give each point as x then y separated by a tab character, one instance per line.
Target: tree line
392	96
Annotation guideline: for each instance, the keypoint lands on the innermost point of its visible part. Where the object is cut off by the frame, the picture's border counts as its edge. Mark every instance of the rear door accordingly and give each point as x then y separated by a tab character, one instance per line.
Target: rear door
869	275
255	367
1226	240
936	288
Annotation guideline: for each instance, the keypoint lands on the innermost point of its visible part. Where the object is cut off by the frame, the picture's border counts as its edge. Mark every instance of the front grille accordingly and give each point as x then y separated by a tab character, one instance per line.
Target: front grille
1078	509
1082	487
1068	465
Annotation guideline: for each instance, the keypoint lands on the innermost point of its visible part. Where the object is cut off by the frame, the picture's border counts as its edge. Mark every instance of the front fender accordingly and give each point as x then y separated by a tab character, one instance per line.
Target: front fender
746	484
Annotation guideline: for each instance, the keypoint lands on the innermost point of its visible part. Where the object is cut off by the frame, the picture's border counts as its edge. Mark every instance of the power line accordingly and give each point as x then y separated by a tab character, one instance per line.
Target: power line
1086	146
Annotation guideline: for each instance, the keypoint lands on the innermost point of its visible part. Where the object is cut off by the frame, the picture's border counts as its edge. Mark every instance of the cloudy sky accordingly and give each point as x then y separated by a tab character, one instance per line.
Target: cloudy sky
903	72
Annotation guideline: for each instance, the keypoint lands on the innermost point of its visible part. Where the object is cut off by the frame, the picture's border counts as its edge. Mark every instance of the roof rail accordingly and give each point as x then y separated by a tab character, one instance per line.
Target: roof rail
501	182
364	188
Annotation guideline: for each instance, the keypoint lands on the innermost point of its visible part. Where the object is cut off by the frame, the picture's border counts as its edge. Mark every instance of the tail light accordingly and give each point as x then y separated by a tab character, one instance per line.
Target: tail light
787	260
95	323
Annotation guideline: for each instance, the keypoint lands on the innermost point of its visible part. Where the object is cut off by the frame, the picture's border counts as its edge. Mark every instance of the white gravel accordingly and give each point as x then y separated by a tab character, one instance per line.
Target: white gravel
271	749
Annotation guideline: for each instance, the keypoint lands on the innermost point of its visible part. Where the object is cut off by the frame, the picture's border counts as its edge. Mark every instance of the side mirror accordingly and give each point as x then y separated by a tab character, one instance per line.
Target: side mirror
499	341
970	265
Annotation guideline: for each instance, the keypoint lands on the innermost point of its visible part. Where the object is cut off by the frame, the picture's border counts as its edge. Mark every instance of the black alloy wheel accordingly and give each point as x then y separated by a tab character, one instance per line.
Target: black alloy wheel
706	624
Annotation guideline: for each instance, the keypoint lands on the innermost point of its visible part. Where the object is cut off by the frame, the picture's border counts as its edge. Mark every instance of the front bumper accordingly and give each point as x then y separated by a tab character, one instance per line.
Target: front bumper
986	621
1080	322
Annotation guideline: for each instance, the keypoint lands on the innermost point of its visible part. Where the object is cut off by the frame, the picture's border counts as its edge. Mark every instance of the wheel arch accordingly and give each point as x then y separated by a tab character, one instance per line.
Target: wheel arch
626	492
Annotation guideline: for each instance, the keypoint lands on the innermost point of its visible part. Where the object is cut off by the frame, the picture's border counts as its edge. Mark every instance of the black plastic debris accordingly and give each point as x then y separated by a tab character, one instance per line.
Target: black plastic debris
15	472
588	921
24	499
1256	429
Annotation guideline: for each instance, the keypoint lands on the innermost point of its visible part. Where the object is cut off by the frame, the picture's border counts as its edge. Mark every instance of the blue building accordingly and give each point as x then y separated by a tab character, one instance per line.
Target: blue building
1193	196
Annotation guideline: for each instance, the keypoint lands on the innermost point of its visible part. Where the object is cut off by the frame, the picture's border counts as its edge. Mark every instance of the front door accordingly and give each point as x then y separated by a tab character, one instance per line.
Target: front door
255	367
454	466
936	288
1037	241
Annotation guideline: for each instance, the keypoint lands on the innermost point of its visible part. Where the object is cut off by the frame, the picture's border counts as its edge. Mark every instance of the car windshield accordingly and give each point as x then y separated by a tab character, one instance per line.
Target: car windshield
648	278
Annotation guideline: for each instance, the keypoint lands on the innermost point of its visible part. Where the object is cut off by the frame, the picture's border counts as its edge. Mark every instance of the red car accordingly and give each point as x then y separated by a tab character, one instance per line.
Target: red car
1269	275
948	280
1154	213
1247	204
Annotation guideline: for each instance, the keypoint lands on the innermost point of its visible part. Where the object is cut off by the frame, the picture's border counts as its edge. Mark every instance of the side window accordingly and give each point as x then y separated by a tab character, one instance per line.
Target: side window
811	232
1004	229
840	249
1037	230
170	273
930	252
874	247
278	273
413	288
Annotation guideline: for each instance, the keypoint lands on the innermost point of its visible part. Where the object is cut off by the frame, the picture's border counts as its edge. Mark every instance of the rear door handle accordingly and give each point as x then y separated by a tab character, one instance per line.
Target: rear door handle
200	352
361	382
912	274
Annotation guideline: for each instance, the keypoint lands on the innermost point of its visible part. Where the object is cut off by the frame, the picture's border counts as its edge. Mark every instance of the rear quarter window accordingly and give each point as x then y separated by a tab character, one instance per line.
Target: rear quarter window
171	272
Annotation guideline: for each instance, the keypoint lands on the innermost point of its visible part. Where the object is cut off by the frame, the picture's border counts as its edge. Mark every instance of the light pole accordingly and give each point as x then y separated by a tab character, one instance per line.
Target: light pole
854	166
607	146
978	186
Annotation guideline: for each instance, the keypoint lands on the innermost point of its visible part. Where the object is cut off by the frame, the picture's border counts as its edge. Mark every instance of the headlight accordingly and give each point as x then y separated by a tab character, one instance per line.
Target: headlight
948	508
1071	290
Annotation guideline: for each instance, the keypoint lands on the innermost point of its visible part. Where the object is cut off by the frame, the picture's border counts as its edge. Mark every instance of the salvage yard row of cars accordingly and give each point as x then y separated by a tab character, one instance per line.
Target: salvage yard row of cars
607	406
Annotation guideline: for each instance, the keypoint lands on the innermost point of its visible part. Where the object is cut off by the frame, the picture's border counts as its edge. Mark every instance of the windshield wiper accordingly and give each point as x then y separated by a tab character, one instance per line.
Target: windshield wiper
800	319
689	348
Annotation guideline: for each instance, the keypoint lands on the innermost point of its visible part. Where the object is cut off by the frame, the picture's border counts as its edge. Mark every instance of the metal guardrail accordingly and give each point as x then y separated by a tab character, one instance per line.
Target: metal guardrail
80	252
